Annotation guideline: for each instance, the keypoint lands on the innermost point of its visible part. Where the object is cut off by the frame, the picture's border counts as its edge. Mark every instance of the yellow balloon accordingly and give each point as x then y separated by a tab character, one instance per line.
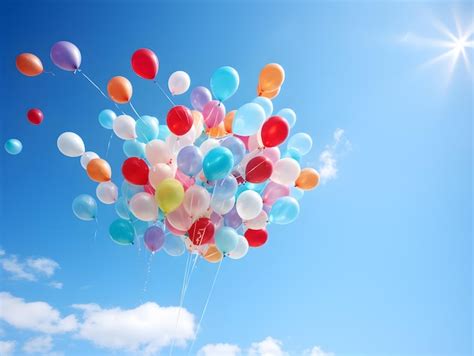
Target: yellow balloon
308	179
169	195
212	254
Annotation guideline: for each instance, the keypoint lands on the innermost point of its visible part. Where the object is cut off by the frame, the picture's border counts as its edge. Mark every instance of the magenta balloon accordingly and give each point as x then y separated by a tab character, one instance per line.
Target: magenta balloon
66	56
200	96
274	191
213	113
154	238
244	139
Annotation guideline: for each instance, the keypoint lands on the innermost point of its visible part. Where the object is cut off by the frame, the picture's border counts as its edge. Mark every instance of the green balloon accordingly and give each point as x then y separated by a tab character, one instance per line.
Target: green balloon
122	232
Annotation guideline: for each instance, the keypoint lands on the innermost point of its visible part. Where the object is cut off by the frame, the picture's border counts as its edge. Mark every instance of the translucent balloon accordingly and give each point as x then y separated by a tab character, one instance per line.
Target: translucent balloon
129	190
124	127
224	83
87	157
190	160
176	143
296	193
157	151
272	153
122	232
222	206
196	201
179	82
169	195
212	254
107	192
301	143
143	206
265	103
225	188
84	207
121	208
160	172
258	222
232	219
249	205
226	239
208	145
289	115
134	148
174	246
285	171
248	119
284	211
180	219
71	144
213	113
236	146
106	119
240	250
163	132
198	123
274	191
200	96
13	146
147	128
154	238
140	227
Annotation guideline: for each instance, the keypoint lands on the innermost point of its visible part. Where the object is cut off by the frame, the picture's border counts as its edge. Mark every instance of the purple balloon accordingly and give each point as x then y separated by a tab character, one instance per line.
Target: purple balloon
213	113
66	56
189	160
154	238
232	219
200	96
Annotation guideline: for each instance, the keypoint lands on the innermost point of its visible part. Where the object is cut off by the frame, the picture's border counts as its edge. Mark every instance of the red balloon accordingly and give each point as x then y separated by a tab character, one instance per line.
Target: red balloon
135	171
274	131
256	238
179	120
145	63
258	170
201	231
35	116
149	189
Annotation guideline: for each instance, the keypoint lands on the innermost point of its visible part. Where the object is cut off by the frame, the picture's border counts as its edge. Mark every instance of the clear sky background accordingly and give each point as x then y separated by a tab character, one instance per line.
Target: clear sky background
379	261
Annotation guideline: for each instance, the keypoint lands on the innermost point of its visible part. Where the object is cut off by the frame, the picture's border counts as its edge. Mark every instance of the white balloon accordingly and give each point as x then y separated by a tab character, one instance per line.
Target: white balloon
179	82
124	127
285	171
107	192
159	172
175	143
198	123
180	219
258	222
222	206
87	157
196	200
240	250
208	145
143	206
157	151
71	144
249	205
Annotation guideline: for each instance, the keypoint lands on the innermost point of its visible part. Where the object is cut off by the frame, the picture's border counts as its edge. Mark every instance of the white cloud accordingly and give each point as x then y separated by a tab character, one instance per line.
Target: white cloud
219	350
56	284
40	344
2	252
145	329
328	158
43	265
267	347
317	351
7	347
34	316
16	269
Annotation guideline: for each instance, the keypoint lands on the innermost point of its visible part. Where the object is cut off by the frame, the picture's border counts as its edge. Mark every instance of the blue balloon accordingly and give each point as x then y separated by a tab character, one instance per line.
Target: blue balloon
296	193
242	188
300	142
189	160
291	153
248	119
224	83
122	232
217	163
284	211
13	146
147	128
140	227
289	115
236	146
174	246
203	137
121	208
163	132
134	148
129	190
265	103
225	188
84	207
226	239
258	187
106	118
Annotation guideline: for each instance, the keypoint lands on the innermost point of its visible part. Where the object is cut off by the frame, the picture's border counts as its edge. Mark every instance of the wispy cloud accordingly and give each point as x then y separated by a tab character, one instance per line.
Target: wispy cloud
40	344
317	351
219	350
328	159
56	284
7	347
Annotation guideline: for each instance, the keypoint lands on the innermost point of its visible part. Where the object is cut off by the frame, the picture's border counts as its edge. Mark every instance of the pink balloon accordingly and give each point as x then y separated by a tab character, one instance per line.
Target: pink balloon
174	230
274	191
254	142
180	219
272	153
184	179
213	113
244	139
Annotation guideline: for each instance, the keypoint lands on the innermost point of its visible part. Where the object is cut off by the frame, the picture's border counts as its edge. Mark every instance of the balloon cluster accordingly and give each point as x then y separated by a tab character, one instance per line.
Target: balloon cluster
206	180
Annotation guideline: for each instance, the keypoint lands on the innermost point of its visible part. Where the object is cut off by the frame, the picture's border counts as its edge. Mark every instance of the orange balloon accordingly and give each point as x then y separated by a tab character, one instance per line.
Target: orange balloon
228	120
268	94
217	131
308	179
212	254
120	89
28	64
99	170
271	77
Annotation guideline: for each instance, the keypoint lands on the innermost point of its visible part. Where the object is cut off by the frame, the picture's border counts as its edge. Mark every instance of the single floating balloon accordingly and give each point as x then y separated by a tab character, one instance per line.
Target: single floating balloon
99	170
179	82
29	64
13	146
84	207
179	120
200	96
224	83
271	79
106	118
122	232
154	238
71	144
120	89
66	56
145	63
107	192
35	116
135	171
308	179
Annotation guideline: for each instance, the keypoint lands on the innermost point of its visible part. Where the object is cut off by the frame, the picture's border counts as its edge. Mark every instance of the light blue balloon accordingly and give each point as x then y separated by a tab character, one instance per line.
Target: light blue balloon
121	231
13	146
129	190
265	103
225	188
147	128
174	246
248	119
226	239
189	160
134	148
300	142
224	83
284	211
292	153
121	208
258	187
289	115
242	188
106	118
140	227
217	163
236	146
84	207
296	193
163	132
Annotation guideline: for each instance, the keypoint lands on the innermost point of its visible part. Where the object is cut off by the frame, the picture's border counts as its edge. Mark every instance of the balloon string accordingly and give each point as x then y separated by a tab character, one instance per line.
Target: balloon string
49	72
164	93
94	84
108	144
96	228
135	111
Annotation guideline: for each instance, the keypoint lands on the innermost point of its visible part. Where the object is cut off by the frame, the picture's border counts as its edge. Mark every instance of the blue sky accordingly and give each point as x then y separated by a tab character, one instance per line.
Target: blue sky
380	259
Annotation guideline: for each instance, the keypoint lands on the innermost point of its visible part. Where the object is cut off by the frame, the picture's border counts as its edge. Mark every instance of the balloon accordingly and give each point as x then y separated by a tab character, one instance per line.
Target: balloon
13	146
198	123
256	238
99	170
140	227
240	250
201	231
226	239
258	222
284	211
217	163
169	195
106	118
212	254
143	206
228	119
200	96
179	82
180	219
179	120
129	190
185	180
175	143
190	160
208	145
296	193
135	170
35	116
274	131
124	127
196	201
145	63
232	219
84	207
308	179
163	132
258	170
66	56
272	153
236	146
268	94
225	188
148	188
213	113
147	128
154	238
249	205
289	115
248	119
224	83
271	78
274	191
121	208
87	157
134	148
285	171
70	144
157	151
122	232
120	89
174	246
222	206
28	64
107	192
265	103
160	172
301	143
